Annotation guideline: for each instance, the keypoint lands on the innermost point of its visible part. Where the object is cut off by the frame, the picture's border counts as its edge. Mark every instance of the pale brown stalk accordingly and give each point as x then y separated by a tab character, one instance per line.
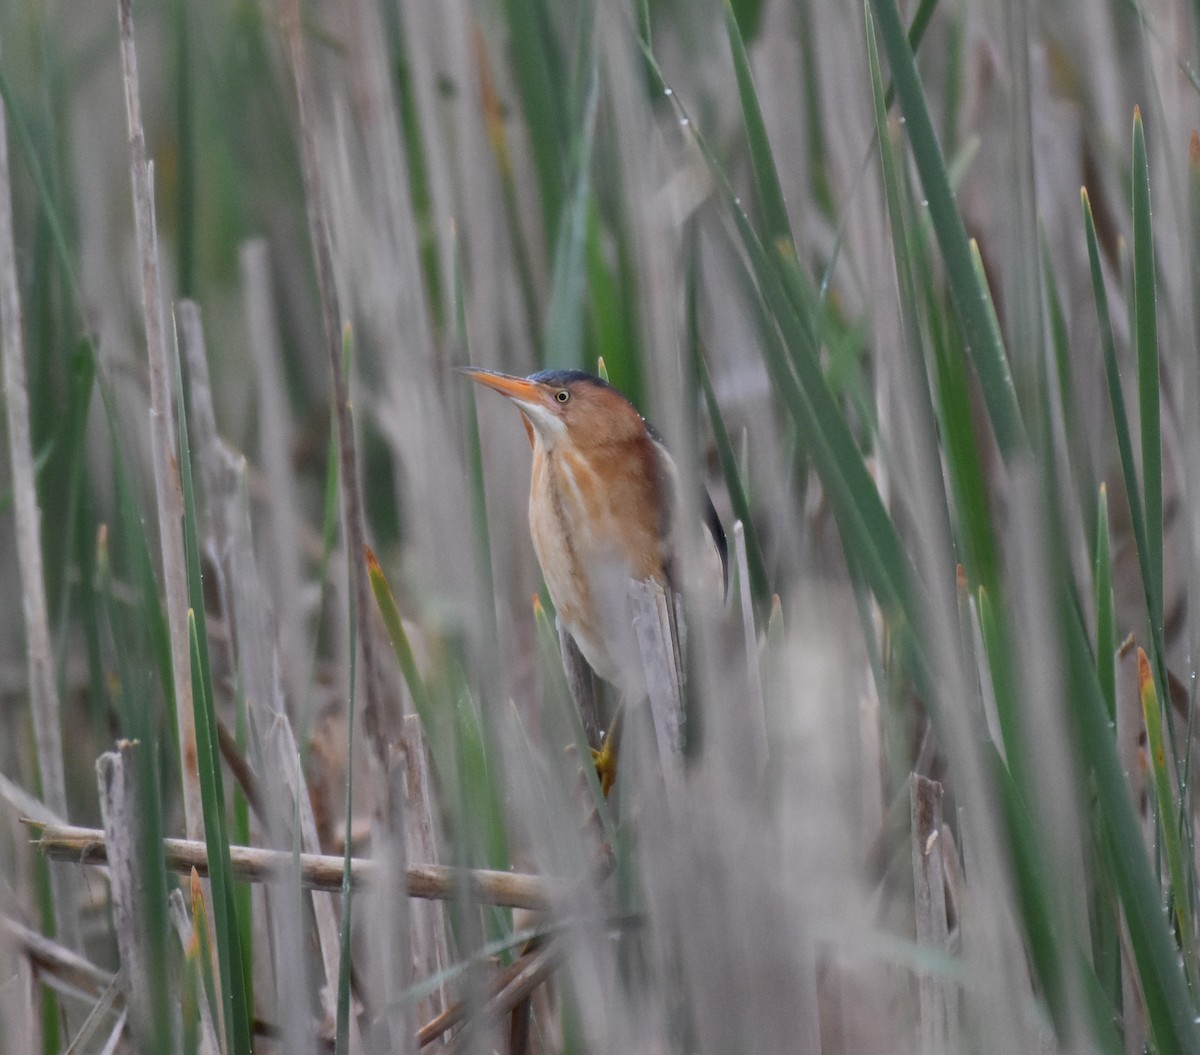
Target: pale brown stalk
331	319
322	871
167	490
117	776
938	998
514	984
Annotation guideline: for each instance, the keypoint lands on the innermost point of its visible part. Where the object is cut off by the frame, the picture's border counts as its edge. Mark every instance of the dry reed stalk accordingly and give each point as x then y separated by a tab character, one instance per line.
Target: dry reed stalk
390	945
374	721
54	961
117	775
87	846
190	346
514	984
27	805
352	511
12	1008
383	260
114	1038
255	648
1130	723
430	945
167	489
275	436
938	1000
956	887
42	686
758	719
533	970
30	989
103	1008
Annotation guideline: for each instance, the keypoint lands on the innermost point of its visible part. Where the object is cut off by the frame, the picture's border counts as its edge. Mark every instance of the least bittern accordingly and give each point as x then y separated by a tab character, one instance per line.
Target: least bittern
603	508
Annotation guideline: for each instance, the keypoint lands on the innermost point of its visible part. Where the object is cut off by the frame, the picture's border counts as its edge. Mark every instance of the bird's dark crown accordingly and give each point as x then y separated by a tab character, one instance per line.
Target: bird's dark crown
567	377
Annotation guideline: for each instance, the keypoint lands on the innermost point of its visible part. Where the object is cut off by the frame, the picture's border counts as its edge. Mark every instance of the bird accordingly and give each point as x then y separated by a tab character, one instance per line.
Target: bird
604	509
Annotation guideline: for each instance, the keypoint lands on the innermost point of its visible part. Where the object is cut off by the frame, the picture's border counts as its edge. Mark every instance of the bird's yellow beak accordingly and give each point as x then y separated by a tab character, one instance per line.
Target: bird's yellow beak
526	394
516	388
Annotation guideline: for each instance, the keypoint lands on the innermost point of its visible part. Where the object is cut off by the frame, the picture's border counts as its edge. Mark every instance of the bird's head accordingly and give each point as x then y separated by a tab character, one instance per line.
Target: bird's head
566	406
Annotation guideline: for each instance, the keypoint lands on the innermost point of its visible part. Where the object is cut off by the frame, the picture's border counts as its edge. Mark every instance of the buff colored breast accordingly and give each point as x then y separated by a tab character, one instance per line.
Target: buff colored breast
591	535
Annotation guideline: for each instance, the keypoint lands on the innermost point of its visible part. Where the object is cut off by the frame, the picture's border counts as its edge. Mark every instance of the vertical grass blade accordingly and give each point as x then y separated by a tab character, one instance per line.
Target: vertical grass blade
139	566
46	197
478	492
399	638
342	1035
564	324
790	353
774	227
138	724
1145	304
1137	513
235	1012
1168	813
1106	634
738	498
235	989
968	482
166	481
43	686
970	297
1079	456
537	65
959	441
1160	972
202	952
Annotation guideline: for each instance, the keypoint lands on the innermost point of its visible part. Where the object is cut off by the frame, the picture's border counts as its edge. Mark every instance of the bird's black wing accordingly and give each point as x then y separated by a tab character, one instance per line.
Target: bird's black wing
713	523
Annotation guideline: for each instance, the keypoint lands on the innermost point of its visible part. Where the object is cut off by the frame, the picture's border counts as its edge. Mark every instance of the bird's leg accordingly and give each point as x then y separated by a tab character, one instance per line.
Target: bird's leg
588	695
585	689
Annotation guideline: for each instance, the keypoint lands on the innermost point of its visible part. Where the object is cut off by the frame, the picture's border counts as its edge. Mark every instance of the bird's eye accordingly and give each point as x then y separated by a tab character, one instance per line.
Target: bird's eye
562	395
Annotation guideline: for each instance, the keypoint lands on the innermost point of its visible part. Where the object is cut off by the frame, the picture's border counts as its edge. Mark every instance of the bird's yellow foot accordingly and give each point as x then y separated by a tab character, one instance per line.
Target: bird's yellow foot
606	768
605	758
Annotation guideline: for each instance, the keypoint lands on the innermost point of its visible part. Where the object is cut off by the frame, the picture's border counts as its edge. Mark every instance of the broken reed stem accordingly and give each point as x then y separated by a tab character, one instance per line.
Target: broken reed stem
514	984
168	493
117	778
43	689
321	871
938	1000
352	511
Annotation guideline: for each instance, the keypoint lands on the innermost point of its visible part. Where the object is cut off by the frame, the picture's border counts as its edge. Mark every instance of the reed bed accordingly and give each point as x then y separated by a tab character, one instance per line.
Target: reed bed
290	752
